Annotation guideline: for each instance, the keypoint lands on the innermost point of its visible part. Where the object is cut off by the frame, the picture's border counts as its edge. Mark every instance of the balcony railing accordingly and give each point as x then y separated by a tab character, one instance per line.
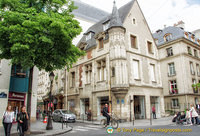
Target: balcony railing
172	74
175	91
195	90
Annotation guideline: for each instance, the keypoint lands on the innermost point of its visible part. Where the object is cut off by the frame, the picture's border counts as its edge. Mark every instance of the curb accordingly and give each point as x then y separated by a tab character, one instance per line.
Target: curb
60	133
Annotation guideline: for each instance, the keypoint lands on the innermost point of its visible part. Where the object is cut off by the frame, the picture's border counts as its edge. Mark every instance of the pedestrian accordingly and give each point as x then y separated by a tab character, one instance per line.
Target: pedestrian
188	117
22	119
8	117
194	114
106	113
154	112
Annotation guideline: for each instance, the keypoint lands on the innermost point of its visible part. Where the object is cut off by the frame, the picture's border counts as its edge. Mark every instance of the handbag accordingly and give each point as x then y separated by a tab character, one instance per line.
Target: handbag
3	117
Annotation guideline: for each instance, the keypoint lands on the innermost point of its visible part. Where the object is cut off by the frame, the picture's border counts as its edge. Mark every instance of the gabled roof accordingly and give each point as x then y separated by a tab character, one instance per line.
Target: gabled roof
176	33
116	18
88	12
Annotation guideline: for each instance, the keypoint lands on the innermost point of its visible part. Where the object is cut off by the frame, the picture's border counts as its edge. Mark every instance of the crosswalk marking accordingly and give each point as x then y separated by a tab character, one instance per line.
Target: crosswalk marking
84	128
81	129
92	128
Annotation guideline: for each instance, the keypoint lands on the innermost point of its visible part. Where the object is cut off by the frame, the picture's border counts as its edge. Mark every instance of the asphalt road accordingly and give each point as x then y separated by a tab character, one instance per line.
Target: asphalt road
82	129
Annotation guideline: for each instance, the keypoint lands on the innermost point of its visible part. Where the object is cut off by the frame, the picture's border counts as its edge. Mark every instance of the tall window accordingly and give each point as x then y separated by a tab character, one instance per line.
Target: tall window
175	103
88	73
134	21
100	43
171	69
169	51
152	70
133	41
195	53
150	47
173	87
189	50
101	70
72	79
136	73
195	90
113	71
198	72
192	68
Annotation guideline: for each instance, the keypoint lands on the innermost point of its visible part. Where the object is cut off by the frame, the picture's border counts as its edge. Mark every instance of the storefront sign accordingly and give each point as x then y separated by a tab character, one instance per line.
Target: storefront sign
17	96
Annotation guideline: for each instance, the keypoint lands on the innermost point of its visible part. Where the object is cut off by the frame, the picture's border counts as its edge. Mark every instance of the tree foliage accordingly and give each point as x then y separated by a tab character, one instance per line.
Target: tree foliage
39	33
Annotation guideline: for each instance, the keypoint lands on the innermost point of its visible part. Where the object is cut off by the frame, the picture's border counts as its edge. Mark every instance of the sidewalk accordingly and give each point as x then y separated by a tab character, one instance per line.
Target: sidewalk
39	128
138	123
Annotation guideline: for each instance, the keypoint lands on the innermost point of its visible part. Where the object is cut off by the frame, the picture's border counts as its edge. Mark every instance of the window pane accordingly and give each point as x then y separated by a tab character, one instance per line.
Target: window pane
136	69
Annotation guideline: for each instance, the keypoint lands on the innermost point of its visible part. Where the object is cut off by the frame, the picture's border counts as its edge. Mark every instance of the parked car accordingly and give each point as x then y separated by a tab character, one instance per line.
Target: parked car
66	115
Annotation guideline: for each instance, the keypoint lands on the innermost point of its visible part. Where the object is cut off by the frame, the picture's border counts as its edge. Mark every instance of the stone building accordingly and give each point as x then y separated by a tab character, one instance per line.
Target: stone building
120	51
87	16
4	85
179	60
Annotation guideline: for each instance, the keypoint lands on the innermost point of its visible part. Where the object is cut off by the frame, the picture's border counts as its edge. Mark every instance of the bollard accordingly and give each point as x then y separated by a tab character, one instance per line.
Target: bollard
62	123
150	118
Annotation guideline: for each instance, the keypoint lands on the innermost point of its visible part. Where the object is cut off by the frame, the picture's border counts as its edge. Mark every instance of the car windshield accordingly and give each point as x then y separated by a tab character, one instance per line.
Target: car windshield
66	112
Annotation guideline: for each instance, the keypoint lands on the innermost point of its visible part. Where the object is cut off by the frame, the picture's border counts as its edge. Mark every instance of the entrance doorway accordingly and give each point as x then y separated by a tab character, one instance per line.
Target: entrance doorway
155	102
84	107
101	101
139	107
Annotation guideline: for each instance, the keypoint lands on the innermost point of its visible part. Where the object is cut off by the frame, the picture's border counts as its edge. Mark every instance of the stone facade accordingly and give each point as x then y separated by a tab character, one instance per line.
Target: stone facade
4	85
179	60
133	90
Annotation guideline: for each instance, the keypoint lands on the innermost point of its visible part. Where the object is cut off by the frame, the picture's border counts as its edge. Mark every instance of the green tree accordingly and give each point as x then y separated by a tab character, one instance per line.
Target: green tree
38	33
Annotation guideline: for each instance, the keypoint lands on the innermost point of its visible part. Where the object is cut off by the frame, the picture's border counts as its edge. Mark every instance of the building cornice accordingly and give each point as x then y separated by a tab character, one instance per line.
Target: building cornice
195	45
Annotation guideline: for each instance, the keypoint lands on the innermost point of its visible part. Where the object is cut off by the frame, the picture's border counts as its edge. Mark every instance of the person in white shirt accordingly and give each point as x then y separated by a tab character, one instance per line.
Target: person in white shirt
8	117
188	116
194	114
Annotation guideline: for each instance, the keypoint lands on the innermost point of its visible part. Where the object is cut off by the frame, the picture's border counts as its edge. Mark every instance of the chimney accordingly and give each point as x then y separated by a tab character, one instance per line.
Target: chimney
180	24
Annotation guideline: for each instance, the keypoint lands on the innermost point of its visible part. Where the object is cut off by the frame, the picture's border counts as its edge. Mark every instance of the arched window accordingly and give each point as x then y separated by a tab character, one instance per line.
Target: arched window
168	37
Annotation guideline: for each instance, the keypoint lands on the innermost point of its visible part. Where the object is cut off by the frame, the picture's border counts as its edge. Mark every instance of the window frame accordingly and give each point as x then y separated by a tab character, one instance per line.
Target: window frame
101	44
150	47
169	51
133	44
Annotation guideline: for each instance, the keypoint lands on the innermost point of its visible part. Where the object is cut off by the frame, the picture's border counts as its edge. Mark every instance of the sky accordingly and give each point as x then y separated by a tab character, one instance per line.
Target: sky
161	12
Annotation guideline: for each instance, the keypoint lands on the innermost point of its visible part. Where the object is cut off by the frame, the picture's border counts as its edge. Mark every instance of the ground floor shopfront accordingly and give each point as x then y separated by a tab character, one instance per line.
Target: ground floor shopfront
16	100
136	103
180	102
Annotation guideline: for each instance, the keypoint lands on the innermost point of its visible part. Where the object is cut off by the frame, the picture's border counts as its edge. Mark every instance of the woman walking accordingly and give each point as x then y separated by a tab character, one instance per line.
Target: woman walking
194	114
22	119
8	117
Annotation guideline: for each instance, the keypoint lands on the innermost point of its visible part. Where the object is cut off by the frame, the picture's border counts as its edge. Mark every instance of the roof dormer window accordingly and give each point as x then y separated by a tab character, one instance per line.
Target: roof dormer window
186	35
88	36
168	37
106	26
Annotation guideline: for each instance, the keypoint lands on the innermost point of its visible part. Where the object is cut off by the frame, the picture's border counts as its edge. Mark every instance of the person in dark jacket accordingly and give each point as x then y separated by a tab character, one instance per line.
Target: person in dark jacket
22	119
106	113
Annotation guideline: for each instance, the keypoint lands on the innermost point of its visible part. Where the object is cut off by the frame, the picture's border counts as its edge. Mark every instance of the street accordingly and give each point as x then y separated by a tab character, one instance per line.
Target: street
83	129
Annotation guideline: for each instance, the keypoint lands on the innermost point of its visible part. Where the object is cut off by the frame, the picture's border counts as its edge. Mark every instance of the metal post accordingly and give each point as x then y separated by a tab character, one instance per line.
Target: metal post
150	117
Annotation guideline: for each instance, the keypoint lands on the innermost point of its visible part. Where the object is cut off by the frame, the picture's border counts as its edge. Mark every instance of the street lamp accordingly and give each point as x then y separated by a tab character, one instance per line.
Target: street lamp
49	123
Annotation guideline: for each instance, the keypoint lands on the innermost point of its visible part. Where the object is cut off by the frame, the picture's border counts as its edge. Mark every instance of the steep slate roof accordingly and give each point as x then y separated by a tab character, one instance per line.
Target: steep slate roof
88	12
116	18
176	33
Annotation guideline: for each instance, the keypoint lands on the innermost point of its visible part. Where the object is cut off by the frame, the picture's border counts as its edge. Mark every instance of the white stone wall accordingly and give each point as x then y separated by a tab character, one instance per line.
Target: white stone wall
4	85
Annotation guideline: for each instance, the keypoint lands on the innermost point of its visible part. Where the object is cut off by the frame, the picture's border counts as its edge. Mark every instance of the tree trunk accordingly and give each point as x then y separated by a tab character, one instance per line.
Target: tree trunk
29	98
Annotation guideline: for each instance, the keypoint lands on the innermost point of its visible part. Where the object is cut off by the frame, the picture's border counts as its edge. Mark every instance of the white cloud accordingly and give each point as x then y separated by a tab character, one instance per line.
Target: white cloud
160	12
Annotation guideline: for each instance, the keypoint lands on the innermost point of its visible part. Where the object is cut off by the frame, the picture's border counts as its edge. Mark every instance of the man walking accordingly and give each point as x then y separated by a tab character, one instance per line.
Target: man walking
154	112
106	113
